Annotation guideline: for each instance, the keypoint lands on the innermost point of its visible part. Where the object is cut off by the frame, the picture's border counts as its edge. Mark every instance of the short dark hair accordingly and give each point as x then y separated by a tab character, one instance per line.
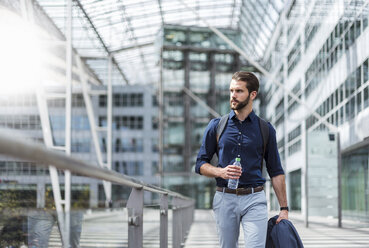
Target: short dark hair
252	82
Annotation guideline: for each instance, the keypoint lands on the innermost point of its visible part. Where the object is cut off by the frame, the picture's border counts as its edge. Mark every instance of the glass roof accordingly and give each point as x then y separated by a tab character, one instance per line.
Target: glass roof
128	29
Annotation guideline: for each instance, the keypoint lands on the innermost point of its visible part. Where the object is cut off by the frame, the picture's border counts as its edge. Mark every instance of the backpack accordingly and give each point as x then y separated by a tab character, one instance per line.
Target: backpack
264	129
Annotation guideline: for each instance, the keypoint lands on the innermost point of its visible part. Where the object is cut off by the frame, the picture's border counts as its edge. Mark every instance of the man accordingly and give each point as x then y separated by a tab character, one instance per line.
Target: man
242	138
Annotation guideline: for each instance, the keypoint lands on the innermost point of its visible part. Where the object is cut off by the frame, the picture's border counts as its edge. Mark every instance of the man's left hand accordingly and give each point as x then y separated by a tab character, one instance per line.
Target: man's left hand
283	215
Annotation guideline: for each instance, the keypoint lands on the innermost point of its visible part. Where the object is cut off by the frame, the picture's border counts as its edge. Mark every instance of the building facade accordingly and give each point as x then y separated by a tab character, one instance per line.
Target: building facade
319	53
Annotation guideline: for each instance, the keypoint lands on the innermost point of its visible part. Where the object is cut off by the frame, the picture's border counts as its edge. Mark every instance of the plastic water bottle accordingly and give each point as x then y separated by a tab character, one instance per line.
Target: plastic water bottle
233	183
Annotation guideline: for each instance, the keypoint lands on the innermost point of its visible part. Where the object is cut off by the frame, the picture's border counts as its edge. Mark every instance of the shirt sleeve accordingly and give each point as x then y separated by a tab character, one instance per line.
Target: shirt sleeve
273	162
208	146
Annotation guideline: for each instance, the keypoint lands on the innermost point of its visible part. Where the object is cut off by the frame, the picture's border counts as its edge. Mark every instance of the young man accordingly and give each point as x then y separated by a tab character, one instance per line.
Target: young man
242	138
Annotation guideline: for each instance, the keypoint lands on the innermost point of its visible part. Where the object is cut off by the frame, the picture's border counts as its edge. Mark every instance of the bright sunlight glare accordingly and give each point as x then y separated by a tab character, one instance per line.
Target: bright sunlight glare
20	55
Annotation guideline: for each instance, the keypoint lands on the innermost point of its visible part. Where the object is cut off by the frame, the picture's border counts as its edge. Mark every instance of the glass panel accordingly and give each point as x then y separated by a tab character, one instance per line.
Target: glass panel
355	185
358	102
366	97
295	189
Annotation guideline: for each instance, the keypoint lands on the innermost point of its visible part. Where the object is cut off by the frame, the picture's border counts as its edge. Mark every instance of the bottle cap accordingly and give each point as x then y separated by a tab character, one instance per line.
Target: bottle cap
238	159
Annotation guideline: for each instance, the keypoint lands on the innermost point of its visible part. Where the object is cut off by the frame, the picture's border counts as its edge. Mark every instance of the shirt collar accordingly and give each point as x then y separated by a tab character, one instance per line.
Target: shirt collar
252	116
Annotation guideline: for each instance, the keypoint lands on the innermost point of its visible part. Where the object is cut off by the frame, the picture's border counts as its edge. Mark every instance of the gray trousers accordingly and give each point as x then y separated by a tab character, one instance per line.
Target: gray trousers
250	211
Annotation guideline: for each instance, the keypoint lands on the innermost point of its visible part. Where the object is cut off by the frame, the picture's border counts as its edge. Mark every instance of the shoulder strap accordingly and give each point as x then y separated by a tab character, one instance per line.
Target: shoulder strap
221	125
264	129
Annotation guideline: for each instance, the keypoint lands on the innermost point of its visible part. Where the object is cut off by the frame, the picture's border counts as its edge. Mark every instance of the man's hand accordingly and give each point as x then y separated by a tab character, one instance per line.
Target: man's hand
283	215
230	172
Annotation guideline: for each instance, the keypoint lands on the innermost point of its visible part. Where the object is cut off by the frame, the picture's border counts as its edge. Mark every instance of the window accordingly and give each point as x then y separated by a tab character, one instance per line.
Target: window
154	168
103	101
128	122
81	145
294	133
80	123
155	102
366	71
77	100
27	122
155	123
358	102
133	168
128	100
102	121
154	145
132	145
117	166
295	147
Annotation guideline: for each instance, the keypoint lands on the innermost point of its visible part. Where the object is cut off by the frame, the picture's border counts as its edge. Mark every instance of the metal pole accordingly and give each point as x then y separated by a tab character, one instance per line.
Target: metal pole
68	120
109	127
339	158
47	135
177	224
161	121
306	185
135	219
164	221
187	115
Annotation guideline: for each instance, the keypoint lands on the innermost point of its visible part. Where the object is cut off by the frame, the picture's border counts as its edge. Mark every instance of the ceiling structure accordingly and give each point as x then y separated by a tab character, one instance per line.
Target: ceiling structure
128	30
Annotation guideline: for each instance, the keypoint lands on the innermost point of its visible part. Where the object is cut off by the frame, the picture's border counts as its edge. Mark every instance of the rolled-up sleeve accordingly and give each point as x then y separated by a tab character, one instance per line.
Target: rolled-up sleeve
208	146
273	161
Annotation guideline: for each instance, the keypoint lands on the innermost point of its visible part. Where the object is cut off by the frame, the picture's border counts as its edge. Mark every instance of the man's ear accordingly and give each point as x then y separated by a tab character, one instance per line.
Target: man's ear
254	94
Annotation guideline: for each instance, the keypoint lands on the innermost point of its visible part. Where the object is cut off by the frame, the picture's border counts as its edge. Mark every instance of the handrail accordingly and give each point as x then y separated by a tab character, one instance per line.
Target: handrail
15	147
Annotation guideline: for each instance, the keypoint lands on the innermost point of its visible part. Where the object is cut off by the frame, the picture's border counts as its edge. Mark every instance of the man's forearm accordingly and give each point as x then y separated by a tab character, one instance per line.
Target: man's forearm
279	186
229	172
209	170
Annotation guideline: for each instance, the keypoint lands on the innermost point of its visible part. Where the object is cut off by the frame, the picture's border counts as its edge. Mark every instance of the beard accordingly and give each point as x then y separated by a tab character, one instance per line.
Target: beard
240	105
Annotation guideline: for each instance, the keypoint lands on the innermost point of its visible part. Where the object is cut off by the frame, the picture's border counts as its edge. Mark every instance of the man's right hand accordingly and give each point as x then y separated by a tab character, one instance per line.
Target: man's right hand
230	172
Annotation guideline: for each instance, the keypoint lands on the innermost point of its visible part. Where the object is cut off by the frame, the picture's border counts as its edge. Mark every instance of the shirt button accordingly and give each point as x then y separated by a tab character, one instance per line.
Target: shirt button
239	132
239	144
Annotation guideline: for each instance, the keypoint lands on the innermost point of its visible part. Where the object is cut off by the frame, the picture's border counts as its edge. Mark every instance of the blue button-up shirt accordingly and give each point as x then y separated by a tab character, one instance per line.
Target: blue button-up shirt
241	139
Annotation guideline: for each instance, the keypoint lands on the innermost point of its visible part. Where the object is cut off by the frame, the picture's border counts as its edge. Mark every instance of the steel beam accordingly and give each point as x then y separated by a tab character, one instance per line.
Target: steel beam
212	96
68	119
140	45
48	140
161	119
94	128
201	102
187	114
100	39
109	150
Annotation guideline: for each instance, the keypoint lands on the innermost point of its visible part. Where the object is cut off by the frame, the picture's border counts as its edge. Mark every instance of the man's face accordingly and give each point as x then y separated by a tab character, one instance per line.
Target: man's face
239	95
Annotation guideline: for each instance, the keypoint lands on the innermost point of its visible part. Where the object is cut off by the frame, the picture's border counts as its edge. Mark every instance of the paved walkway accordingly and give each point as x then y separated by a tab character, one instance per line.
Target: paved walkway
109	229
322	232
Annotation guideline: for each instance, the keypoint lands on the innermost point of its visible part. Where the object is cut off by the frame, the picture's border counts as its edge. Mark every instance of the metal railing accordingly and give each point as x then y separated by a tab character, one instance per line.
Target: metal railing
182	207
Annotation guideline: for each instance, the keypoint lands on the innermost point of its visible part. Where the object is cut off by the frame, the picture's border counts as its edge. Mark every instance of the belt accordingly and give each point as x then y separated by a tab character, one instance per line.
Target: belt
240	191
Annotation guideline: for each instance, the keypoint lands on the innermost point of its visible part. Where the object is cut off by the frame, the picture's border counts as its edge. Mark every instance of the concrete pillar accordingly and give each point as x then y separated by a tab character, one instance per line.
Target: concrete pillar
40	195
187	115
94	192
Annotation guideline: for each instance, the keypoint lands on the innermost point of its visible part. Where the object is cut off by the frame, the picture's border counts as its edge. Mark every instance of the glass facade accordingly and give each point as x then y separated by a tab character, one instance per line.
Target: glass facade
295	190
355	184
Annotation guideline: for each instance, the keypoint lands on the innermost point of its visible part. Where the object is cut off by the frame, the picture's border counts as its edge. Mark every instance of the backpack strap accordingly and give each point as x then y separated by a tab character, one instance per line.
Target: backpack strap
264	129
221	125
